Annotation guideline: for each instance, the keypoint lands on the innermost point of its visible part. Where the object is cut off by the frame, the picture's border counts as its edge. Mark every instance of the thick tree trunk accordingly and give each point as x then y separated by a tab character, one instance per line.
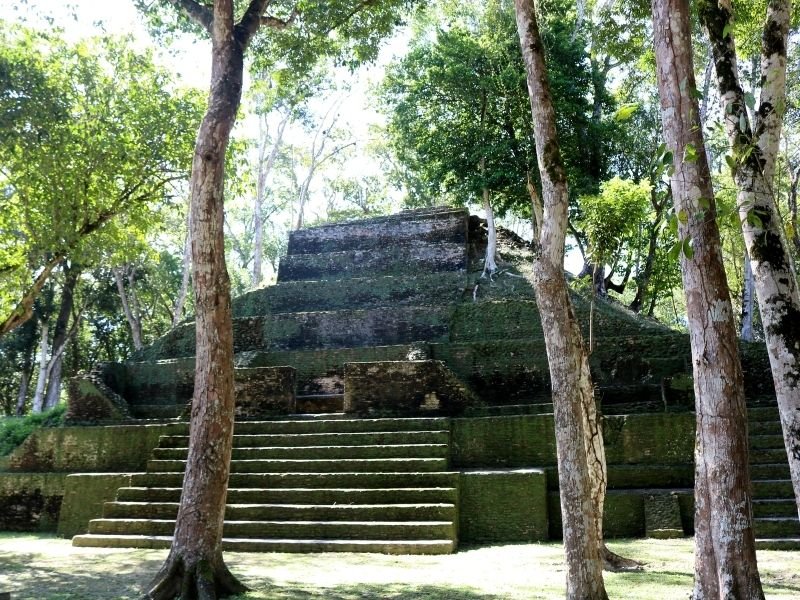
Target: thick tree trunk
754	152
24	382
38	395
61	336
195	567
490	262
725	558
569	366
180	301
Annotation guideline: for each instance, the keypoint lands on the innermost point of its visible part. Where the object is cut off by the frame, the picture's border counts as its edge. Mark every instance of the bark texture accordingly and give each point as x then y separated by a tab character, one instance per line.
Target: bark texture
61	334
195	567
754	151
578	443
725	559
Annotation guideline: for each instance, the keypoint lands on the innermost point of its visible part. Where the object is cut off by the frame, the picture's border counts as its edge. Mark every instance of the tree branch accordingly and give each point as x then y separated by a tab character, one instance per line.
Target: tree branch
197	12
358	8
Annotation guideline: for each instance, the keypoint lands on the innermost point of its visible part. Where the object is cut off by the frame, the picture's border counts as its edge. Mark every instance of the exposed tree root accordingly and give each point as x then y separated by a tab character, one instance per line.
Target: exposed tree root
615	563
202	580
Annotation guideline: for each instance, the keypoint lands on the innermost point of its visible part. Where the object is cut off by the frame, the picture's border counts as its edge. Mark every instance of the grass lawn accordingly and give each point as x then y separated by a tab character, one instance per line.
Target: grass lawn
42	567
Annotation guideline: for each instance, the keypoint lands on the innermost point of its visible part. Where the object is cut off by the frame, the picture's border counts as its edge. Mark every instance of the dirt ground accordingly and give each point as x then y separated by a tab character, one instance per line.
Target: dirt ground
40	567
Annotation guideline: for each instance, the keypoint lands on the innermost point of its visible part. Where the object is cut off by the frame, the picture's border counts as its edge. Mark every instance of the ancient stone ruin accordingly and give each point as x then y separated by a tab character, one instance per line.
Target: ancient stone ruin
389	400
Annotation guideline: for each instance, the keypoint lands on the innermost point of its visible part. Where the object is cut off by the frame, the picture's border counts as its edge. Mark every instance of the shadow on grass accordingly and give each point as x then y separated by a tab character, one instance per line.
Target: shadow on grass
391	591
119	581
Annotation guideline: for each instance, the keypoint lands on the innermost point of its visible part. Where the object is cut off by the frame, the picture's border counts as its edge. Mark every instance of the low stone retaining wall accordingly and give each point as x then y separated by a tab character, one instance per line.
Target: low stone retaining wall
30	501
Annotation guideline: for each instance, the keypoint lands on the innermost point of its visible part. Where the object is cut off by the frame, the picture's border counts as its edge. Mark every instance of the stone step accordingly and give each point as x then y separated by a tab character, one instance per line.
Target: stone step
157	411
292	512
775	508
352	496
319	403
445	224
763	413
766	442
358	530
776	527
340	425
444	546
431	257
420	289
764	428
367	438
321	465
767	455
537	408
770	471
311	480
321	452
787	543
772	488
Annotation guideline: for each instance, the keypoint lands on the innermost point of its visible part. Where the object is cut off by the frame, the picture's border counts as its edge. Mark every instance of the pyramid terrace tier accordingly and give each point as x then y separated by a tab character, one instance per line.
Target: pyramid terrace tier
431	225
396	259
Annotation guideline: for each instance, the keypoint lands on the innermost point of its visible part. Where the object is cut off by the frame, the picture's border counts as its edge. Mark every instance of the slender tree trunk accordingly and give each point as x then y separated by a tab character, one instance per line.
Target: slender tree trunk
264	168
60	336
725	558
180	301
754	152
566	354
38	395
24	382
747	301
195	567
133	318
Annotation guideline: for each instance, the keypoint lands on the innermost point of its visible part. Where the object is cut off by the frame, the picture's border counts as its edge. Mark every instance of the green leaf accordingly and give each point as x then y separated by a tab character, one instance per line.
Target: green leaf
683	216
742	122
697	94
731	162
626	111
688	249
750	100
675	251
754	220
689	153
704	203
668	156
726	30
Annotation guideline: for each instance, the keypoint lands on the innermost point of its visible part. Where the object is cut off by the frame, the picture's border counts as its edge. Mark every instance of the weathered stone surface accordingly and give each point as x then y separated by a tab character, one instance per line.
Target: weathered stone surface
393	260
92	401
264	391
419	289
84	496
30	501
662	516
403	388
444	224
111	448
503	506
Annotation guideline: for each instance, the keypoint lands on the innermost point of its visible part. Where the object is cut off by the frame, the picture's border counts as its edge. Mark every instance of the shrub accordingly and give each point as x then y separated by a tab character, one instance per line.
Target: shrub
15	430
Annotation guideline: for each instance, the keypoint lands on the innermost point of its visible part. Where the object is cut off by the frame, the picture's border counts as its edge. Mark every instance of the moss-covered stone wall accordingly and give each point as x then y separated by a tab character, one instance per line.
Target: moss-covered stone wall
30	501
113	448
84	496
503	506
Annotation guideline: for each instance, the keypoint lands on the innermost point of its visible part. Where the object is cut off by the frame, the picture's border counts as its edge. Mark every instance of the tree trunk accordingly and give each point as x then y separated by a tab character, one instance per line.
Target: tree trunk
180	301
133	318
264	168
569	366
747	301
754	152
725	558
195	567
60	336
24	382
38	395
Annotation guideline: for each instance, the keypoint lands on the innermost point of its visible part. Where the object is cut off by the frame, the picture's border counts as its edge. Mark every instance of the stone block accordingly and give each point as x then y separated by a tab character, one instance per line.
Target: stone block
264	391
503	506
403	388
84	496
662	516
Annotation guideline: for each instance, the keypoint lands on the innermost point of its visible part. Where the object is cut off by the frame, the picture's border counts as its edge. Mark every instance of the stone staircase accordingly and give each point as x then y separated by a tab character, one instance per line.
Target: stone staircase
774	508
306	485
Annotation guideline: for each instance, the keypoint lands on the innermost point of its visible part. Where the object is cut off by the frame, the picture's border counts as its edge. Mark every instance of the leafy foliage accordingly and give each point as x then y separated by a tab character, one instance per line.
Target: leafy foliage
15	430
